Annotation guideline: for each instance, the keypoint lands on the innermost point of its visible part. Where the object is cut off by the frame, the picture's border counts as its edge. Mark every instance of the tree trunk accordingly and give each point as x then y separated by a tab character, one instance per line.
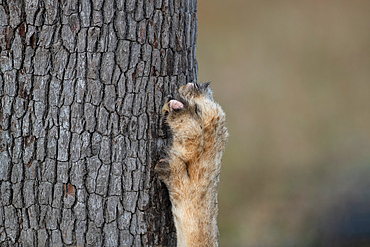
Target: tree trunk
82	84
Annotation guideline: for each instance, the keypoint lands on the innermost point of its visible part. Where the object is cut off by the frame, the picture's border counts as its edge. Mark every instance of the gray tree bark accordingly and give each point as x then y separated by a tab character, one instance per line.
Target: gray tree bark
82	83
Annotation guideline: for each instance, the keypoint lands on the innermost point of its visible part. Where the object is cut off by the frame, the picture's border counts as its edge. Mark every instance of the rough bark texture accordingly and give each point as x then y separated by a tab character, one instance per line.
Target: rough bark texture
82	83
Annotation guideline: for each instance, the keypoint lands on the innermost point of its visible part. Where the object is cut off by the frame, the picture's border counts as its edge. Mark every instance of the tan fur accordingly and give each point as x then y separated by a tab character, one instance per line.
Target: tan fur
192	168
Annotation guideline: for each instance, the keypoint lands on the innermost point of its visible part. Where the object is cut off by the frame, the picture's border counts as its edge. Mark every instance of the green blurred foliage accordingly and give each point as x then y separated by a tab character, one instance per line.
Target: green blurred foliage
294	80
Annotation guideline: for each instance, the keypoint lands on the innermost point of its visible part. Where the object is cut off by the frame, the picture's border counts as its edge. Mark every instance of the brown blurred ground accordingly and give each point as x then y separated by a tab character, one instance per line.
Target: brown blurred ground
294	80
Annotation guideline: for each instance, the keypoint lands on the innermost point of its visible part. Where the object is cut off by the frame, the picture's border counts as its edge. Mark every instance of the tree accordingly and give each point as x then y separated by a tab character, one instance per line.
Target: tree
82	84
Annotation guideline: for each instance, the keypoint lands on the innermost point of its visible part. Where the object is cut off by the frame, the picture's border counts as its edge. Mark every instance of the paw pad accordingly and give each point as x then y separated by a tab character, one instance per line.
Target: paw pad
172	105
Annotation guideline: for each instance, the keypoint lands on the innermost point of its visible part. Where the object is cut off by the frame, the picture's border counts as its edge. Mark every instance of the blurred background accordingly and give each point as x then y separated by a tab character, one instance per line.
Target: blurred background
294	80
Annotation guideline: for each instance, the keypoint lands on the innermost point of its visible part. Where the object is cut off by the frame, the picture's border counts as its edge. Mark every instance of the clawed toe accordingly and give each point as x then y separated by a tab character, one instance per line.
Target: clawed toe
160	164
163	169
